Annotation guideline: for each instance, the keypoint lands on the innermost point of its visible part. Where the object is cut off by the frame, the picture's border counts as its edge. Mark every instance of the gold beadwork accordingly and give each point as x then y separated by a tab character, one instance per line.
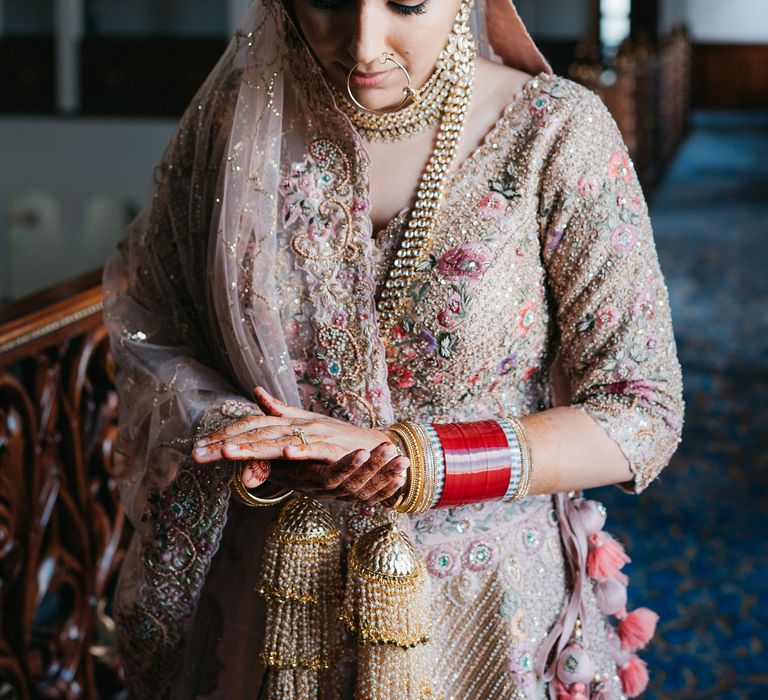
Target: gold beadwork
300	581
457	60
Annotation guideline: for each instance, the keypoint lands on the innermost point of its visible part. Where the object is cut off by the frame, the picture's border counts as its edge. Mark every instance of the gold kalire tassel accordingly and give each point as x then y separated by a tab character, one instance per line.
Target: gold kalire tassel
386	605
300	580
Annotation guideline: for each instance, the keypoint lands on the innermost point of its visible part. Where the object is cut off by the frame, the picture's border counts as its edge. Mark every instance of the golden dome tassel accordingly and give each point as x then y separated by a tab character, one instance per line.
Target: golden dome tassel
300	580
386	605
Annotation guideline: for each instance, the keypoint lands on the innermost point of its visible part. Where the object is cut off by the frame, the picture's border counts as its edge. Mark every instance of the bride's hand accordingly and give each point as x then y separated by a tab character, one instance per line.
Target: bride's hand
340	459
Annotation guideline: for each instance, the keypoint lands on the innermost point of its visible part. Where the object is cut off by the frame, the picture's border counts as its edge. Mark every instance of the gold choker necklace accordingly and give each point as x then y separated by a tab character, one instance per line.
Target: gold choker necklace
418	116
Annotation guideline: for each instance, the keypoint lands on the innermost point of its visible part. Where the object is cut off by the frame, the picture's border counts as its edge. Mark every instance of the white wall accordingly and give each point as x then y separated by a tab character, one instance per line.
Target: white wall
727	21
554	19
75	159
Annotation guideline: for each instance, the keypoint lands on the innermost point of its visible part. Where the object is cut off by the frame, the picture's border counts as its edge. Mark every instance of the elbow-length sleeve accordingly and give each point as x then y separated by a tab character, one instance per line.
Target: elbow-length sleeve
609	299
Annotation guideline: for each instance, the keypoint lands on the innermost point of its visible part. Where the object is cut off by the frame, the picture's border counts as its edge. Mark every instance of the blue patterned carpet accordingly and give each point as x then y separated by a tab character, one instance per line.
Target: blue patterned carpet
698	536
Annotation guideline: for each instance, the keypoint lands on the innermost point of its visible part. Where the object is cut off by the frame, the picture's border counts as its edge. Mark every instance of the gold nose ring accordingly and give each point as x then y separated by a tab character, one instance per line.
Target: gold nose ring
409	91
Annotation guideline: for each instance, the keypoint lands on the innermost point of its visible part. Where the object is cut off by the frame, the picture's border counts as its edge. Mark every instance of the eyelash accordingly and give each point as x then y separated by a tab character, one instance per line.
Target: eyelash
419	9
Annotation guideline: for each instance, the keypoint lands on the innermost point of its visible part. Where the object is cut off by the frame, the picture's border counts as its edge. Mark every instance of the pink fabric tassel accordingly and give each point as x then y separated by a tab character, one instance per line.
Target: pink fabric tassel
576	691
634	676
637	629
606	557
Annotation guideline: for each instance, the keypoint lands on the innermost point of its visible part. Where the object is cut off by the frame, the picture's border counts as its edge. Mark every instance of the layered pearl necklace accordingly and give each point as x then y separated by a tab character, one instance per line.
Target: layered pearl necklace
446	97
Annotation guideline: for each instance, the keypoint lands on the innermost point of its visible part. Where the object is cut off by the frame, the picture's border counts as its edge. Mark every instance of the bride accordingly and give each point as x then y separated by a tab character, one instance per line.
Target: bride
396	283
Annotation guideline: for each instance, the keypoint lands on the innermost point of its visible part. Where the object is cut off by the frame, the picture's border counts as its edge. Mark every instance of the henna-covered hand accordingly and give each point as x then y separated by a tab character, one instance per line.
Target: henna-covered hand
341	460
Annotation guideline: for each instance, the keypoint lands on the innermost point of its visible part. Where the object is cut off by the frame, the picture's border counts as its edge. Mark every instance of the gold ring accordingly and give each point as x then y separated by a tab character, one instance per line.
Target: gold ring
409	92
299	433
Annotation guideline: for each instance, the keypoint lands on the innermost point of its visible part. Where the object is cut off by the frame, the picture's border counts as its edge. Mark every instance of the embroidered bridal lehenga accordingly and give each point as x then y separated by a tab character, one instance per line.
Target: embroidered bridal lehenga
254	264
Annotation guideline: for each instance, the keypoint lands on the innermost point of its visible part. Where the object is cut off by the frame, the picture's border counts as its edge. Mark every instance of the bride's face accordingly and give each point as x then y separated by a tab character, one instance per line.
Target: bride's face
345	32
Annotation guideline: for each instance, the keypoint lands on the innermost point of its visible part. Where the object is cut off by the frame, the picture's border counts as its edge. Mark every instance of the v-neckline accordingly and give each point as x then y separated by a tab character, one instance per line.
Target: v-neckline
473	155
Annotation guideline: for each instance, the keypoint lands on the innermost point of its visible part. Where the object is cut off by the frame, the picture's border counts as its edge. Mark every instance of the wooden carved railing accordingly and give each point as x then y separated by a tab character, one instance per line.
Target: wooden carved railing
62	531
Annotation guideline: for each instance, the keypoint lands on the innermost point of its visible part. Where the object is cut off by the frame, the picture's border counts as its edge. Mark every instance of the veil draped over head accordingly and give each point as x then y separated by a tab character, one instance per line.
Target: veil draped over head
193	308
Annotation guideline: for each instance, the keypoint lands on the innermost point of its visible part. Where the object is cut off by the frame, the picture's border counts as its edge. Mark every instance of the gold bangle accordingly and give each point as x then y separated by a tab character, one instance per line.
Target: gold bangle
396	500
248	498
412	495
430	470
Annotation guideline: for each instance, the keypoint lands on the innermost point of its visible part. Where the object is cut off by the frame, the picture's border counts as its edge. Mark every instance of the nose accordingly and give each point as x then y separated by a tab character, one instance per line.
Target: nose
366	44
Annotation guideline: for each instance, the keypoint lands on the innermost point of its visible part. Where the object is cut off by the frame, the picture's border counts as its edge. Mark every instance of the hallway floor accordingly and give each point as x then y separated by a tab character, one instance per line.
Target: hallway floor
697	536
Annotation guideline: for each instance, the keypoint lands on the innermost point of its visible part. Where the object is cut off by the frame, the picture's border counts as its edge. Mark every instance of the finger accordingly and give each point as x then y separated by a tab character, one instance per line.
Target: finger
237	427
354	480
255	473
205	454
252	451
276	407
387	491
278	432
394	472
317	450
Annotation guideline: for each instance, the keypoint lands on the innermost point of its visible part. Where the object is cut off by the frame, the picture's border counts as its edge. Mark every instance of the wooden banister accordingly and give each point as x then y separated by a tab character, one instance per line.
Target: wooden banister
62	531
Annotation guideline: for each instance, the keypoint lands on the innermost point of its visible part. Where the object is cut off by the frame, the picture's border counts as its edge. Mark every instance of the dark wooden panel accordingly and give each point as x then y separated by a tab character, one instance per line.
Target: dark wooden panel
144	77
27	82
730	76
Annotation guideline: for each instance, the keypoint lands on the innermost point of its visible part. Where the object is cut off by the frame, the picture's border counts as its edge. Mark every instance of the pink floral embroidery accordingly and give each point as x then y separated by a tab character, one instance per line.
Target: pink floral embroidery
541	106
398	334
319	372
623	238
403	377
360	205
526	318
481	555
530	372
340	318
588	186
638	387
606	316
494	204
469	260
644	304
619	166
443	561
376	395
450	316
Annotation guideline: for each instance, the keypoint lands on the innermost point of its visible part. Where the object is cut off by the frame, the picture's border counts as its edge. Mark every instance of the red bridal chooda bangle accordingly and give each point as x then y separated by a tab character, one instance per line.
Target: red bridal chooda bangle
456	464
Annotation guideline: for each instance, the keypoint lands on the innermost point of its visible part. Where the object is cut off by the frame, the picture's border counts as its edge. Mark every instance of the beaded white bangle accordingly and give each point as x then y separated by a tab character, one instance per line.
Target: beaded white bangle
520	459
439	460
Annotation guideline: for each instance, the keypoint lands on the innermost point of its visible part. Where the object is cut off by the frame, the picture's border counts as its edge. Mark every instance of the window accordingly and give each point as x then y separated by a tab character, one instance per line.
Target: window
615	22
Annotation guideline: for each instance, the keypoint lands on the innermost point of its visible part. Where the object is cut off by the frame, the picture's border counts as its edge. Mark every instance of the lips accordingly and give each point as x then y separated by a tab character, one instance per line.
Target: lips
359	79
